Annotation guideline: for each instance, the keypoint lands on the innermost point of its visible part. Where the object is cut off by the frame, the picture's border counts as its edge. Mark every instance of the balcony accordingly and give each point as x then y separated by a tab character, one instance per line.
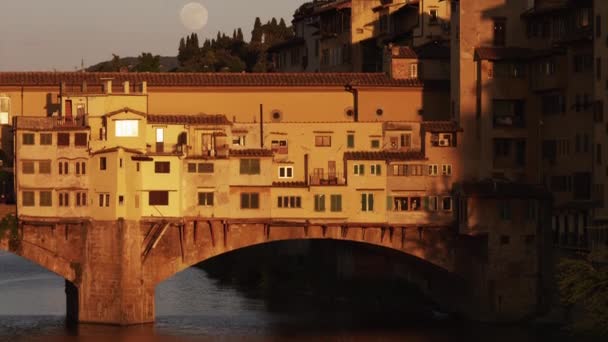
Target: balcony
50	123
219	151
327	179
69	121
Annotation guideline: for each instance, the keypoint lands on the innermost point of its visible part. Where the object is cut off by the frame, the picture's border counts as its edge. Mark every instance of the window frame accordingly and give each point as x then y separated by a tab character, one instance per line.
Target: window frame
287	172
123	130
161	201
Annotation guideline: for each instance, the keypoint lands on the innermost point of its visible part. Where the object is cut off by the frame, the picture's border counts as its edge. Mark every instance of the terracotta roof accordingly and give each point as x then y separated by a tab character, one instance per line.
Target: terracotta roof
441	126
502	53
289	184
198	119
251	152
384	155
503	189
207	79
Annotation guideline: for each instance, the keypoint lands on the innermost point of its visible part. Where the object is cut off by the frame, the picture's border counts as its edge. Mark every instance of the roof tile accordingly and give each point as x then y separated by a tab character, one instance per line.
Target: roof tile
251	152
384	155
198	119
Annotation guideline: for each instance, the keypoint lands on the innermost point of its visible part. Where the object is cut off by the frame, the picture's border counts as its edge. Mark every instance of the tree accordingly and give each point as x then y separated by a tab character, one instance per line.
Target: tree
256	34
584	286
239	35
147	62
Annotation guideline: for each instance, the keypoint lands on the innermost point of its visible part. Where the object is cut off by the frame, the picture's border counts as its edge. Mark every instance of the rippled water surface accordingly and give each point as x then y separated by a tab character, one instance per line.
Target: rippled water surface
192	306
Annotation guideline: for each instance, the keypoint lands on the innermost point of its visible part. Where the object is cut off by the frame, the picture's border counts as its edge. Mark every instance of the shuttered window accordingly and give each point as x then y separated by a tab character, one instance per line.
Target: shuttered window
63	139
250	166
158	198
250	200
80	139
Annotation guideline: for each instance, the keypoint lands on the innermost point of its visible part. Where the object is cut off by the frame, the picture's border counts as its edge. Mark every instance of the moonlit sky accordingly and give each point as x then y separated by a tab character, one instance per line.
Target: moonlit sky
41	35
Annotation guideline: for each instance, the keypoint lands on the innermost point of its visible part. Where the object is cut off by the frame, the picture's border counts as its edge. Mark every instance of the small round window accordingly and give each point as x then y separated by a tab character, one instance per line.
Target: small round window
379	111
350	112
276	115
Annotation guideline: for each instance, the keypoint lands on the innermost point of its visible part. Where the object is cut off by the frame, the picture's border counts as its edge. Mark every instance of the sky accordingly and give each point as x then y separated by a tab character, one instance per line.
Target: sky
47	35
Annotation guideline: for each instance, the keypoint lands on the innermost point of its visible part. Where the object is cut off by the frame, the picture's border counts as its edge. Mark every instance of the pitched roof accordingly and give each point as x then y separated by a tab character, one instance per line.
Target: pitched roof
251	152
441	126
126	110
384	155
207	79
502	53
115	149
198	119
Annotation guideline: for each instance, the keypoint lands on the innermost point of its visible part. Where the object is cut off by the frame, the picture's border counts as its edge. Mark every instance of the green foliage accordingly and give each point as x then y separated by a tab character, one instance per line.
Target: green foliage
9	224
147	62
583	285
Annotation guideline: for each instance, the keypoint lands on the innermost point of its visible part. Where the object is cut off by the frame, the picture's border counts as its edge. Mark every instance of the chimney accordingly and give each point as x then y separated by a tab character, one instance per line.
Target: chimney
62	88
126	86
84	86
144	87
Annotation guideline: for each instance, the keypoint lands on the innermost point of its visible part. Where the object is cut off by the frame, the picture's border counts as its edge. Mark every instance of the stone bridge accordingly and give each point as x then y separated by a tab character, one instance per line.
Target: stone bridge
112	268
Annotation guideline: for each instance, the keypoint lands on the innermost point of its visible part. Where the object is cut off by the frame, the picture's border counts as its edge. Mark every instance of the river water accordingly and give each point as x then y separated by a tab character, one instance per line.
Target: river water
193	306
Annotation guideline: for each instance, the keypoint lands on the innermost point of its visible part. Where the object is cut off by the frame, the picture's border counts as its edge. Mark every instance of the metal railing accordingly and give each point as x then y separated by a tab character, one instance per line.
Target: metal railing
327	179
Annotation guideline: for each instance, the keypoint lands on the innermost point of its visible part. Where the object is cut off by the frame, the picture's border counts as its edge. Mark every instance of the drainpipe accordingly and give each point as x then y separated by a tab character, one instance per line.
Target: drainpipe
349	88
306	168
261	125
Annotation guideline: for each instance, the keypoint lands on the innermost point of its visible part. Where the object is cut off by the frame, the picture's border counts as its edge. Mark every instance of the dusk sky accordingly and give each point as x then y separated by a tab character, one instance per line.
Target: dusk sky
40	35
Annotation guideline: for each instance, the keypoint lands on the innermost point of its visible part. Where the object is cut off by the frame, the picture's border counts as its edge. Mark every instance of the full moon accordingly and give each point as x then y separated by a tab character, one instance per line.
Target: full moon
194	16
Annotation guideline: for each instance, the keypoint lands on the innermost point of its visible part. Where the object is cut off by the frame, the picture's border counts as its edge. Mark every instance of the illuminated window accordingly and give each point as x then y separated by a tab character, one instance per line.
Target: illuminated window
5	103
127	128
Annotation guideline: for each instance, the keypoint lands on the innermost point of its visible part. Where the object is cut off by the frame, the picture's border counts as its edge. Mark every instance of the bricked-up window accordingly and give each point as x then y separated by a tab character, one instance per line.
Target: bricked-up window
250	166
44	167
63	139
158	198
205	168
367	202
46	199
250	200
80	139
500	31
27	167
28	199
323	141
46	139
162	167
335	203
27	139
205	199
319	203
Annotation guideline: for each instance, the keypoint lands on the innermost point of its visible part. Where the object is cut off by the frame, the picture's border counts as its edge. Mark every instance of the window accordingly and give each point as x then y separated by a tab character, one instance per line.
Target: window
5	104
162	167
375	143
432	203
505	239
367	202
250	200
44	167
500	34
446	170
415	203
81	168
28	198
553	104
285	171
446	203
238	140
433	170
27	139
406	140
160	198
191	167
46	138
359	169
279	146
63	139
64	199
502	147
27	167
323	141
350	141
504	69
433	20
121	200
443	140
127	128
376	169
400	204
104	200
336	203
289	202
102	163
583	63
414	70
46	198
249	166
81	199
80	139
399	170
532	209
64	168
319	203
509	113
205	199
205	168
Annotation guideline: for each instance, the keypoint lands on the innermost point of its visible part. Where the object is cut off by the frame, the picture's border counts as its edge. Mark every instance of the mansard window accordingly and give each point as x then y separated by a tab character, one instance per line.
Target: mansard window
249	166
509	113
205	199
162	167
500	34
28	198
160	198
46	138
63	139
28	139
250	200
127	128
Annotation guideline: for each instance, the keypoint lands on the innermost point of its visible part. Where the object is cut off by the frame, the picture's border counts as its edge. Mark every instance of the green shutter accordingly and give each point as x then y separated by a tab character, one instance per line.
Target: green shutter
339	200
426	203
322	202
361	169
389	203
370	200
363	202
356	169
378	169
